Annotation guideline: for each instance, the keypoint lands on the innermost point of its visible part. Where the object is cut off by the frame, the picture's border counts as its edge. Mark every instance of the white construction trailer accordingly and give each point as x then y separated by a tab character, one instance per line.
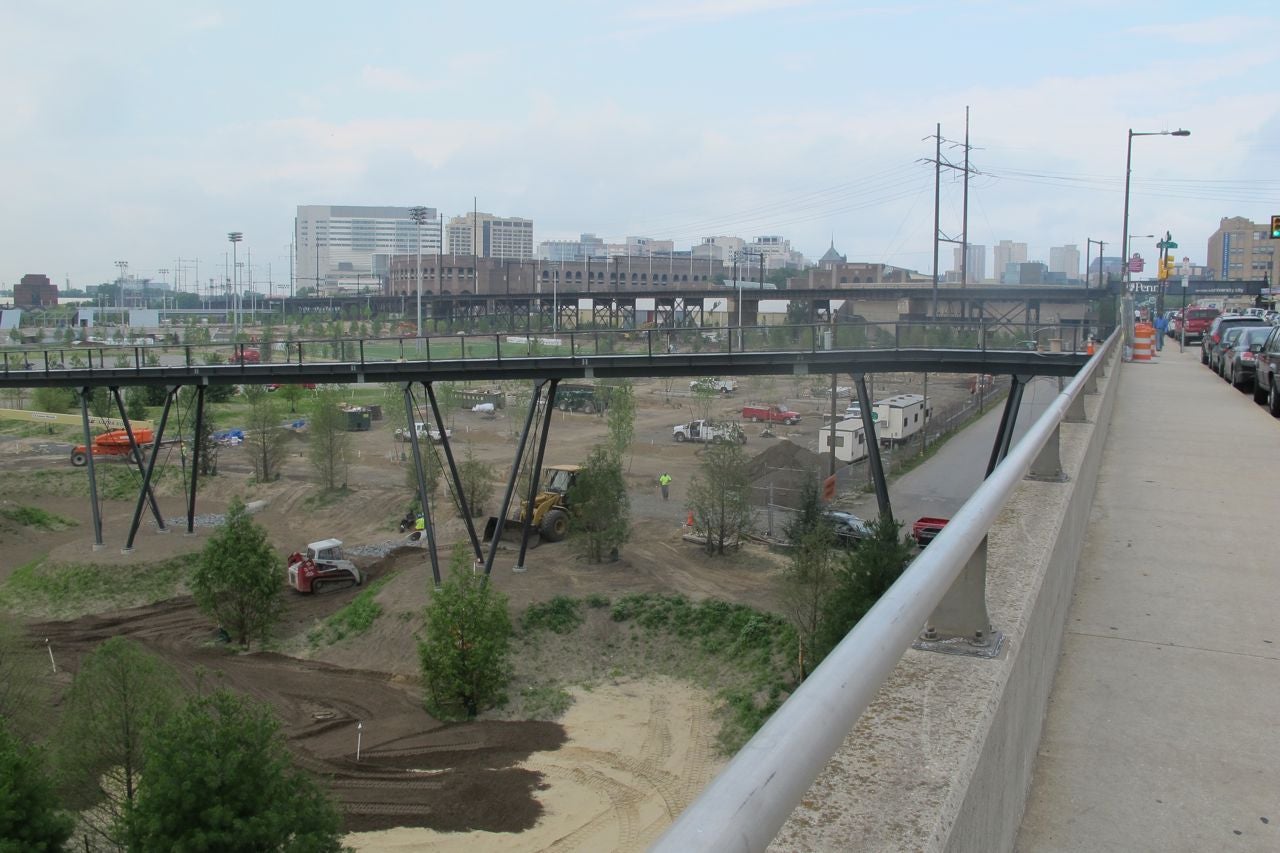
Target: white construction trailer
900	417
851	442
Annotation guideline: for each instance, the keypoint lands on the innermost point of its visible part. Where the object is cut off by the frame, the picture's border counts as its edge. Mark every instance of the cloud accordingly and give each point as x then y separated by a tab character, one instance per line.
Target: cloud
1224	30
708	11
206	21
391	80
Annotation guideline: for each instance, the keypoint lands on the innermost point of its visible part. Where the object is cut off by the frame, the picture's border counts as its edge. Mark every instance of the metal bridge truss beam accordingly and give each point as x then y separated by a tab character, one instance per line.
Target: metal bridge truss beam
85	393
513	477
195	460
536	477
873	447
136	456
424	500
171	392
456	478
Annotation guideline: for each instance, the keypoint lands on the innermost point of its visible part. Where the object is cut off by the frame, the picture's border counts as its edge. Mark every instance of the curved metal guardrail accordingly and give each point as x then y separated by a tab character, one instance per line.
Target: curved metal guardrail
744	807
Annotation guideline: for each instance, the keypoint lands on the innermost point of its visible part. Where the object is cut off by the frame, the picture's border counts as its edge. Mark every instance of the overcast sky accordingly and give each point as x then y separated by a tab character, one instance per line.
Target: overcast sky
145	131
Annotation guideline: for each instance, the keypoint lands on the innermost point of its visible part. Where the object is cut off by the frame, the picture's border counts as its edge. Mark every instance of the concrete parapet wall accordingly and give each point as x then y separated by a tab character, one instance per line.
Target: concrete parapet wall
942	759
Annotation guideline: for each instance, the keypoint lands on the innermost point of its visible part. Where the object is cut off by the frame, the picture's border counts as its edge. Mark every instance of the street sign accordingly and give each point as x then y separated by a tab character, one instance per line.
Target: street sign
1169	244
1136	264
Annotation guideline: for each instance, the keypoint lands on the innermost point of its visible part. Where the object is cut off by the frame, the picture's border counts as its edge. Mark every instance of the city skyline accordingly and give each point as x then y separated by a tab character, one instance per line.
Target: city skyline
130	137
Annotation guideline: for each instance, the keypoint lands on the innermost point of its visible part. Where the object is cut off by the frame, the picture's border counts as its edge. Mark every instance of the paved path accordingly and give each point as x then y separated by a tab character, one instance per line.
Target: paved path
1163	728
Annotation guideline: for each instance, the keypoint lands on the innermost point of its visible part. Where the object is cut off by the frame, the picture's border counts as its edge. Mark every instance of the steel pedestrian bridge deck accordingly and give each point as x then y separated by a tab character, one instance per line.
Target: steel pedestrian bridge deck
498	357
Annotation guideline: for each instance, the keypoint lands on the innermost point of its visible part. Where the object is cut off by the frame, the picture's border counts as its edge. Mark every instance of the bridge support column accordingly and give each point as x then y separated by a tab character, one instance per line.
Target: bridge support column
960	624
195	460
93	481
1075	412
136	456
511	480
1048	465
1091	382
428	528
536	477
873	447
1008	419
171	392
453	471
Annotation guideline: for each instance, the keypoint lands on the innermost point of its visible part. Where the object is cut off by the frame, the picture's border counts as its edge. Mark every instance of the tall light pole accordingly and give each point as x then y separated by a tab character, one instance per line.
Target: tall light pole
123	266
235	237
1124	255
419	215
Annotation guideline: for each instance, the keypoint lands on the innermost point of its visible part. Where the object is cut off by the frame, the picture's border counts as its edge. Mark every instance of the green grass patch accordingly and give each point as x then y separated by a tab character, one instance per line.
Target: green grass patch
352	620
745	656
545	702
31	516
116	480
326	498
561	615
66	590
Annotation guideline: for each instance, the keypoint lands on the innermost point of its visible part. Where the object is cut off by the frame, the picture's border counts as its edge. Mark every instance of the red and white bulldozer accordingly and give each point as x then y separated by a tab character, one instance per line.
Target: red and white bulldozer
322	567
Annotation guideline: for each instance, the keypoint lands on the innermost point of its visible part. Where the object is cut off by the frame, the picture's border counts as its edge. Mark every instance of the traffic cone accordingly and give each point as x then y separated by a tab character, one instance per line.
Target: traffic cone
688	522
1089	349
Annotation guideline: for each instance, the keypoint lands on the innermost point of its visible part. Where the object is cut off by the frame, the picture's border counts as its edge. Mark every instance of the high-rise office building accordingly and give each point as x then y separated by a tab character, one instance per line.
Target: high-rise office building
490	236
338	246
1065	260
976	270
1005	253
1243	250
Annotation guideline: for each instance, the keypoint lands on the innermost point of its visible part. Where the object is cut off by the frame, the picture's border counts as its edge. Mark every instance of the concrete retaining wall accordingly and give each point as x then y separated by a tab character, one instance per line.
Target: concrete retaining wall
942	759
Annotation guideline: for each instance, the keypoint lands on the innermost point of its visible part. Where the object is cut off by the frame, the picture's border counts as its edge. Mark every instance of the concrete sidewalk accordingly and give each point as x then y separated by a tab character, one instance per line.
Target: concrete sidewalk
1163	728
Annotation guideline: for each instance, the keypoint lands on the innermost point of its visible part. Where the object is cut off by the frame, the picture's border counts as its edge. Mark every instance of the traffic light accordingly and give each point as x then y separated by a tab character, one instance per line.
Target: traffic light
1275	228
1165	270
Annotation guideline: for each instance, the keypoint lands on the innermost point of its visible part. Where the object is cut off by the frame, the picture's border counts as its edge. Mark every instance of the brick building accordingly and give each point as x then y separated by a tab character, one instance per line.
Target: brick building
35	291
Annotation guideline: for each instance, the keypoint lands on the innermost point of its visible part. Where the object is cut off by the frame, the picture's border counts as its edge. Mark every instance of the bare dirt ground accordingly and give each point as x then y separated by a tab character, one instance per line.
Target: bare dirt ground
610	774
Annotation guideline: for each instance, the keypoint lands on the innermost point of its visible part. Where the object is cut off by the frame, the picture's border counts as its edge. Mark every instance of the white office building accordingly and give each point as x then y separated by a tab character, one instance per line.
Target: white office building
976	270
344	246
1065	260
1008	252
489	236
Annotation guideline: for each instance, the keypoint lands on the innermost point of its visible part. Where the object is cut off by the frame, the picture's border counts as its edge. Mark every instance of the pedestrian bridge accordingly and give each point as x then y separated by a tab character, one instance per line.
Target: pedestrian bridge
1131	703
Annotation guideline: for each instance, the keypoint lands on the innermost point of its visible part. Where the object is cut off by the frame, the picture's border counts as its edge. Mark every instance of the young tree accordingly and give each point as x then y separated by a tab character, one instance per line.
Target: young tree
465	645
704	395
622	418
291	394
30	815
220	777
135	405
266	344
119	697
56	400
477	482
264	438
237	578
719	496
811	576
329	440
601	508
866	573
22	695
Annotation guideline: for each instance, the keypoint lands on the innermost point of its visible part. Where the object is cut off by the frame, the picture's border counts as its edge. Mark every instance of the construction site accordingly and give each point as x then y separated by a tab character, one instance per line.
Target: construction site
607	733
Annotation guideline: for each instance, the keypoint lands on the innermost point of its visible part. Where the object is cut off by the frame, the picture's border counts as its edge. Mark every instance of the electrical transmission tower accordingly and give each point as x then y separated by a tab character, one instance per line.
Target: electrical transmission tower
940	163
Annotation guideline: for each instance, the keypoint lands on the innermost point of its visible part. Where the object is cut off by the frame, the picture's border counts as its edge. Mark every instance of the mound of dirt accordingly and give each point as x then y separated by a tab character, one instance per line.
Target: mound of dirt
779	473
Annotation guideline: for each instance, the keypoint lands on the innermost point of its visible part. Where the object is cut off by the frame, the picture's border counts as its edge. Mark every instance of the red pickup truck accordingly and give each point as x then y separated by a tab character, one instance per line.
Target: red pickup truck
926	527
771	414
1196	322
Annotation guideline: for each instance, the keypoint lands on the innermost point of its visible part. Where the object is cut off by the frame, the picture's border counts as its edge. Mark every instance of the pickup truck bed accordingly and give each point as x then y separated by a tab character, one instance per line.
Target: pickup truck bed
926	527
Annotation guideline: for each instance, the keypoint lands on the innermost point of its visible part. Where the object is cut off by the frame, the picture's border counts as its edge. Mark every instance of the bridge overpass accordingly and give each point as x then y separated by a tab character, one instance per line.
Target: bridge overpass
1137	578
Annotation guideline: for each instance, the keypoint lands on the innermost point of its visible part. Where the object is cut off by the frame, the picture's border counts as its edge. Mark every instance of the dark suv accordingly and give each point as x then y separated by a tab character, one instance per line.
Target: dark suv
1211	343
1266	368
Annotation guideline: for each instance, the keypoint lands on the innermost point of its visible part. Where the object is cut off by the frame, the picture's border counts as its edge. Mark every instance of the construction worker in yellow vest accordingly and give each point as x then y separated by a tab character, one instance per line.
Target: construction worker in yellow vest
664	483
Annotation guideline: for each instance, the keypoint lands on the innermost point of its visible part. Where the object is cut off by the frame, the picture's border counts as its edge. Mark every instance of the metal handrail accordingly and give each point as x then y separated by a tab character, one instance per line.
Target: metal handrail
744	807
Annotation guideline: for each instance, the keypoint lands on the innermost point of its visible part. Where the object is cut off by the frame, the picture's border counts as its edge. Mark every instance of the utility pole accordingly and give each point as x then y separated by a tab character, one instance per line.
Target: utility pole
938	235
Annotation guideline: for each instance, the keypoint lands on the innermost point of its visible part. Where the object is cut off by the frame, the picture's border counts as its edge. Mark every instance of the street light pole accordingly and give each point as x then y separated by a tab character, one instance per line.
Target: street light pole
1124	233
419	215
235	237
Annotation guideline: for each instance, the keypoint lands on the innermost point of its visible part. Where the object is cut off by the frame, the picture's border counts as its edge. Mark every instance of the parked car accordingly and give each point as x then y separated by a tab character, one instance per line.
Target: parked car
1212	338
1197	320
1266	365
1175	321
1218	354
1239	361
848	528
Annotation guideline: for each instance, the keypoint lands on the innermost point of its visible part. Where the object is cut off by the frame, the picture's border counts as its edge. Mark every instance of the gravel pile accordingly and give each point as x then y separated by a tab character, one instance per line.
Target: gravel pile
375	549
204	520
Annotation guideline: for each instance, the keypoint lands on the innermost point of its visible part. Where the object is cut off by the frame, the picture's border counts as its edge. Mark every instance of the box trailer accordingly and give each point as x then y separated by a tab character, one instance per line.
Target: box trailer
900	417
850	440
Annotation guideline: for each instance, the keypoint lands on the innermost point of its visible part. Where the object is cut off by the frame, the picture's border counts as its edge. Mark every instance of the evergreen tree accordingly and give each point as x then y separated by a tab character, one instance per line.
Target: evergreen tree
237	579
466	643
31	818
219	777
867	572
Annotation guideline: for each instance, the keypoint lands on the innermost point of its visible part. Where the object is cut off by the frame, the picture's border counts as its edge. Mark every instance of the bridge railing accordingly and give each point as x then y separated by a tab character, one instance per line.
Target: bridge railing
744	807
976	335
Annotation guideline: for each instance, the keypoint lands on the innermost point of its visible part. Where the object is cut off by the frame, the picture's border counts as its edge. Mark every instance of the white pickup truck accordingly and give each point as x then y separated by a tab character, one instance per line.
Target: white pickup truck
720	386
702	430
423	430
